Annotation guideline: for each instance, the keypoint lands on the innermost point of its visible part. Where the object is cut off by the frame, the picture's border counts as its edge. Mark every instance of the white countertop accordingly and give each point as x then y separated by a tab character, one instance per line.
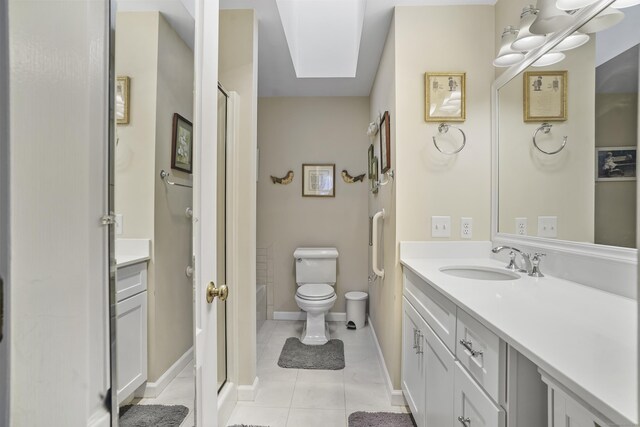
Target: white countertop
132	251
583	337
125	260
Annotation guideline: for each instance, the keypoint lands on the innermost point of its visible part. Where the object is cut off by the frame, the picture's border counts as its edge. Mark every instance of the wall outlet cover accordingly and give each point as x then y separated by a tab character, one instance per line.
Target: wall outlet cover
466	227
547	226
118	224
521	226
440	226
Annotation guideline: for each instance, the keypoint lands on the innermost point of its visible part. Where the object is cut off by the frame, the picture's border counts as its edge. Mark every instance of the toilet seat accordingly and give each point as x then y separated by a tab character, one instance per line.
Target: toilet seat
315	291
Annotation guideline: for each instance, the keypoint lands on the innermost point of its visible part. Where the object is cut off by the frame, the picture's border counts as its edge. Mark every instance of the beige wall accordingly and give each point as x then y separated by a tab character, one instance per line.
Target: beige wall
301	130
238	72
160	66
429	183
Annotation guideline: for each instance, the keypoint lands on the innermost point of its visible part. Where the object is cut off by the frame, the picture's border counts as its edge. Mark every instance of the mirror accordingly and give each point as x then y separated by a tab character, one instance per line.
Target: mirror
586	190
154	68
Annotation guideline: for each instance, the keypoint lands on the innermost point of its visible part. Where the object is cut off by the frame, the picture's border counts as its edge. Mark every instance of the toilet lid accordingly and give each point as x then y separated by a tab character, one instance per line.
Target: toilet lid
315	291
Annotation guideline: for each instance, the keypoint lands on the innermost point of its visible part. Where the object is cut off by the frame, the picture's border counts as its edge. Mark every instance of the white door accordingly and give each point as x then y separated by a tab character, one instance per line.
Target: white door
205	207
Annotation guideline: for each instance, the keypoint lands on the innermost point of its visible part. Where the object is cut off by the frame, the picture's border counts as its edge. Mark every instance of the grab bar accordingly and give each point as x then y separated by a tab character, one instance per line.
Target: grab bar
374	249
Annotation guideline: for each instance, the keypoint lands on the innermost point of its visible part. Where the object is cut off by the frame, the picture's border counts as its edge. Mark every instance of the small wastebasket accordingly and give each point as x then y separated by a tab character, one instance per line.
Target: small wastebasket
356	309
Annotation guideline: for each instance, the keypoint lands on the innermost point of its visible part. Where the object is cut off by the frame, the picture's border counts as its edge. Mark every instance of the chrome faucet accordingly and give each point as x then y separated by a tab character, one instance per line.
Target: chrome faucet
531	262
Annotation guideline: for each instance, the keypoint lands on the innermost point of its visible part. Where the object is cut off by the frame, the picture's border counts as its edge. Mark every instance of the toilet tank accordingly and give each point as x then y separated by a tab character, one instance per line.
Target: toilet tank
316	265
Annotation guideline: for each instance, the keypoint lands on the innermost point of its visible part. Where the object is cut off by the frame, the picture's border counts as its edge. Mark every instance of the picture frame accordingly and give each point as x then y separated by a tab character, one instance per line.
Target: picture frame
318	180
374	179
122	100
545	96
616	163
385	142
372	169
445	97
182	144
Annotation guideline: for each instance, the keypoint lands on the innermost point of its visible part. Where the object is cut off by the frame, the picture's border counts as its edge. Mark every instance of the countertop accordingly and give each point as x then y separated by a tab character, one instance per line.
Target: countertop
583	337
132	251
125	260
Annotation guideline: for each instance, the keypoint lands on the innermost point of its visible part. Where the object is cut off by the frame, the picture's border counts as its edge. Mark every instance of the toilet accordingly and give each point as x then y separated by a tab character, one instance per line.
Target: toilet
316	278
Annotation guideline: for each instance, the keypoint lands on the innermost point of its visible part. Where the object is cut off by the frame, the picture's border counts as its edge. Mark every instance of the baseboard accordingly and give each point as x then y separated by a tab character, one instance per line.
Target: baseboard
395	396
301	315
227	399
153	389
248	392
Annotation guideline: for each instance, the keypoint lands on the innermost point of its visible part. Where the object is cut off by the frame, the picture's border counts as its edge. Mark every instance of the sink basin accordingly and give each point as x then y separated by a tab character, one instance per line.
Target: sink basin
479	273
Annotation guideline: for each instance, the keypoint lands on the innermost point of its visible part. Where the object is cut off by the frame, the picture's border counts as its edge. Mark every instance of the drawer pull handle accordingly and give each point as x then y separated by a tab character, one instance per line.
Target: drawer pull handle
419	350
469	346
415	338
466	422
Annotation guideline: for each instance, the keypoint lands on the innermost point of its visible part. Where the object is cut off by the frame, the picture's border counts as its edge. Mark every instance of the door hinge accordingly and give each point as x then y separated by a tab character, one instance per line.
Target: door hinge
108	219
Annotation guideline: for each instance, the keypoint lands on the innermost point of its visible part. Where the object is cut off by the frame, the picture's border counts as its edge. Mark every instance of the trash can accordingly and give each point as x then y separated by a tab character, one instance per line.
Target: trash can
356	309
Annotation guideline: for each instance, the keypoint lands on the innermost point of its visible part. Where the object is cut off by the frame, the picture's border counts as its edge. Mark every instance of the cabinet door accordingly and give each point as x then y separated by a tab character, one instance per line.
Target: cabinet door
131	344
569	413
439	367
473	407
413	379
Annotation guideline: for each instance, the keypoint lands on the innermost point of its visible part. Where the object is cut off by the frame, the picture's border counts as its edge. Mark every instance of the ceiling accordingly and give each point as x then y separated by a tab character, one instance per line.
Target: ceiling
276	73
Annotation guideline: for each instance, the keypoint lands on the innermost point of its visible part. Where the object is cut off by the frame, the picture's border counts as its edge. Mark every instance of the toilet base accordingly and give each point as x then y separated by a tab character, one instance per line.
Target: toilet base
315	330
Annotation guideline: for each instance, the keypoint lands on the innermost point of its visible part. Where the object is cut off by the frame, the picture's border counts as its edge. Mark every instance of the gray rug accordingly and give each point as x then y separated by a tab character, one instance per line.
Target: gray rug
381	419
152	415
244	425
296	355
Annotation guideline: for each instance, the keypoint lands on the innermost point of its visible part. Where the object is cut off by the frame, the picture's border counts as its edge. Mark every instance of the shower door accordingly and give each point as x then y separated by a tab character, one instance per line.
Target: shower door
221	207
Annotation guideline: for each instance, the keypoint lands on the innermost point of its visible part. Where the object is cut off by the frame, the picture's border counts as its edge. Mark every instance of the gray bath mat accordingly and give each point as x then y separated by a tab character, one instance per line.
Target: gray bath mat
381	419
152	415
296	355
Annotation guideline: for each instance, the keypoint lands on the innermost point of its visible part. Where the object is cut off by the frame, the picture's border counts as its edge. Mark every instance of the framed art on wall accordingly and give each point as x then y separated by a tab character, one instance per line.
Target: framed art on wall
385	142
616	163
445	99
318	180
182	144
545	96
122	100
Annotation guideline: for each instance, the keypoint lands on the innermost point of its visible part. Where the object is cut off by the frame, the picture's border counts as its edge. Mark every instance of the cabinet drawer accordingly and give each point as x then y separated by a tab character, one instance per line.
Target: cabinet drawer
131	280
482	353
473	408
435	308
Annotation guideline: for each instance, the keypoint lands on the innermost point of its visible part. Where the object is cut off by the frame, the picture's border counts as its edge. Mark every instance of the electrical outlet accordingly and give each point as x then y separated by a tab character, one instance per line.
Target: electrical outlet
521	226
548	226
466	227
118	224
440	226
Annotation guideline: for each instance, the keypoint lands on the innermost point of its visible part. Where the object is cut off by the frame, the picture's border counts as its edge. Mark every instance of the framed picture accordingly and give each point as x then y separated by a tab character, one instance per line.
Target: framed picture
445	97
385	142
545	96
374	177
318	180
182	144
616	163
122	100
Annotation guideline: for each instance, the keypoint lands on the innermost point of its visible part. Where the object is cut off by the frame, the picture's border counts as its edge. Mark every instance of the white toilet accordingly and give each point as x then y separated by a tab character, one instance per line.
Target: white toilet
316	277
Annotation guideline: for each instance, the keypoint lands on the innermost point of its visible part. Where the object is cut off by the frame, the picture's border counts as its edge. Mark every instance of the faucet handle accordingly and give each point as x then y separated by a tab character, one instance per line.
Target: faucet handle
512	262
535	262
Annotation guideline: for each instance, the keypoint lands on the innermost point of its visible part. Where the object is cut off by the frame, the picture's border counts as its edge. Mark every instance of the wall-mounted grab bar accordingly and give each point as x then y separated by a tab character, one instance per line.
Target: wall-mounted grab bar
164	175
374	248
546	128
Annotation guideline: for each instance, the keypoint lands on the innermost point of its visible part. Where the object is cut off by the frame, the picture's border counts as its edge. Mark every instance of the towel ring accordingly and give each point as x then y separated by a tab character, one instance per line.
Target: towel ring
444	128
546	128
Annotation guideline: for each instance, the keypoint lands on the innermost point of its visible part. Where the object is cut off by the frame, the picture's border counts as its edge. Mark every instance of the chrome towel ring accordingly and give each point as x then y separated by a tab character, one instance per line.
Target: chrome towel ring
546	128
444	128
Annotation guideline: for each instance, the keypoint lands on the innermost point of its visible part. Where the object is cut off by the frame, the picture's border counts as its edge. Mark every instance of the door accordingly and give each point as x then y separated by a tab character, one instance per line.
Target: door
205	211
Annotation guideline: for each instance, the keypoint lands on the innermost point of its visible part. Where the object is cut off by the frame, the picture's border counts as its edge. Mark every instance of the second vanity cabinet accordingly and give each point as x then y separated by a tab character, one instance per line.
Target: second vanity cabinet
449	382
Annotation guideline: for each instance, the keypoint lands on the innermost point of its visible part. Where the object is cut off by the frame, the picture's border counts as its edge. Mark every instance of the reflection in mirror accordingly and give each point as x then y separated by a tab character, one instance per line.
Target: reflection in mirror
154	66
586	190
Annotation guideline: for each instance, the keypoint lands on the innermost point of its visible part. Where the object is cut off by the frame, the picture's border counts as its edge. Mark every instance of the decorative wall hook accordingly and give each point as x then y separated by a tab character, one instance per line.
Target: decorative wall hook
372	130
351	179
284	180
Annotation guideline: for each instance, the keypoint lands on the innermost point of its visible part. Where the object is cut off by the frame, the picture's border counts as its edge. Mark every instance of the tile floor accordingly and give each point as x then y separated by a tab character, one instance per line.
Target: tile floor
309	398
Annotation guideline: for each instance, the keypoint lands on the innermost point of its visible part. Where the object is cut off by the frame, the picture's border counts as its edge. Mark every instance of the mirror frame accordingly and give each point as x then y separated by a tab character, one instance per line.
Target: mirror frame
627	255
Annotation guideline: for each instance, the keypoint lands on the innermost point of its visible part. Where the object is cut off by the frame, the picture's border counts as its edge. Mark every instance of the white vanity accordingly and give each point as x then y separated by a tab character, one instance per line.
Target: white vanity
131	309
522	352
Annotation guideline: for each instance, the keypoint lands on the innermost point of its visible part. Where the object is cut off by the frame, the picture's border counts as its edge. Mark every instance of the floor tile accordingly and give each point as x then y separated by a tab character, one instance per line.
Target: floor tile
316	418
275	394
318	396
321	376
251	415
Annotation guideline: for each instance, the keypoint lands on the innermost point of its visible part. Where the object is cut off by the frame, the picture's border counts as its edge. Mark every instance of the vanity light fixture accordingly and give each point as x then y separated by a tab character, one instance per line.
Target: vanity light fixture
605	19
621	4
549	18
549	59
573	41
526	41
573	4
506	55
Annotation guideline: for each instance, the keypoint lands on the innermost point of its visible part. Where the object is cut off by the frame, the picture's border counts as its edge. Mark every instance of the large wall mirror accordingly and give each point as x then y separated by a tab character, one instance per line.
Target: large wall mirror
576	180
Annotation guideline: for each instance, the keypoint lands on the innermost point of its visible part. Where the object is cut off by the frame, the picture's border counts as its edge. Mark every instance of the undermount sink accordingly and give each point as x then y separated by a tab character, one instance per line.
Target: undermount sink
479	273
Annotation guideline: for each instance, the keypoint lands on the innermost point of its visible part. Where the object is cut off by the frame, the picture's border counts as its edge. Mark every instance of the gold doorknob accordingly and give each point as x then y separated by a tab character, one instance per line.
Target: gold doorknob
222	292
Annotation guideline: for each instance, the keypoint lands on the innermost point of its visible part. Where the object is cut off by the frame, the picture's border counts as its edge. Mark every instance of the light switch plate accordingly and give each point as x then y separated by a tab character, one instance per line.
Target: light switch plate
521	226
118	224
440	226
547	226
466	227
